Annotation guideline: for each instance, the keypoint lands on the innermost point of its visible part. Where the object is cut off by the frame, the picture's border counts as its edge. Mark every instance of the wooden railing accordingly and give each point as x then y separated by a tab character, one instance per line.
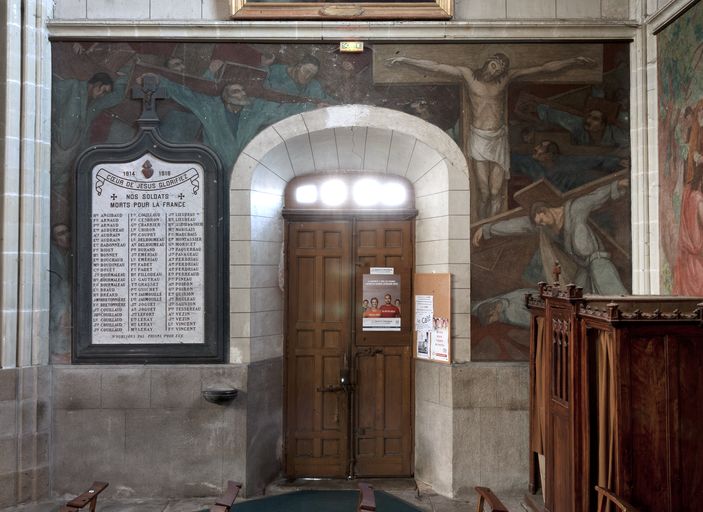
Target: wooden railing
224	503
89	497
485	495
367	500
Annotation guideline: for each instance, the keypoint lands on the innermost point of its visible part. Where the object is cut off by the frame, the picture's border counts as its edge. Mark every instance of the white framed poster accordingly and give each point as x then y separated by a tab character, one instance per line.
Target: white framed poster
381	302
439	346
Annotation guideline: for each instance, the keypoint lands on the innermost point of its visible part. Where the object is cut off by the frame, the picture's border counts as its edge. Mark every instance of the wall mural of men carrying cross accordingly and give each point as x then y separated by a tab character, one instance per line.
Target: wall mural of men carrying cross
559	108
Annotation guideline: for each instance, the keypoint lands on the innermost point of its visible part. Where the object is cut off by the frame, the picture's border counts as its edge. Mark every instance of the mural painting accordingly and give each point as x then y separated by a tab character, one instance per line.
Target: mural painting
680	58
542	126
566	191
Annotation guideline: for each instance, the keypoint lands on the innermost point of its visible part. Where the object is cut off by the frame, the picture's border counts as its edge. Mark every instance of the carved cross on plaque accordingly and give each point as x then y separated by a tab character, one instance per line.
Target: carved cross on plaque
149	91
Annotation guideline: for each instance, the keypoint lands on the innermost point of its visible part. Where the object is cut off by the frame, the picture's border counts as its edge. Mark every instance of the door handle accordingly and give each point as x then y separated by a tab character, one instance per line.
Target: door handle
344	383
344	379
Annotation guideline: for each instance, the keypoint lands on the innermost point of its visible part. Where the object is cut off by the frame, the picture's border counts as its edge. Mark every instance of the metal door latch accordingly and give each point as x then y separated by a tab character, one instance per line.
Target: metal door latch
332	389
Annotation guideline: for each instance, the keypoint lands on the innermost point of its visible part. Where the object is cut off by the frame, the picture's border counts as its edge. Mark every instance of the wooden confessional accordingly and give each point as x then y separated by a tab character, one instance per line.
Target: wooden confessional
616	385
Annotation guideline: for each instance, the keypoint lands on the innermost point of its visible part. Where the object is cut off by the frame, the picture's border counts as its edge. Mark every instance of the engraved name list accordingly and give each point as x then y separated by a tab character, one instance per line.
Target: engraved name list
148	253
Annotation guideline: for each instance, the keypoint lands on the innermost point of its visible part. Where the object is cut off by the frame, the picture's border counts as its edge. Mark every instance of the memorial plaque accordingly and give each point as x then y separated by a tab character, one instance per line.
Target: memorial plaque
150	250
147	246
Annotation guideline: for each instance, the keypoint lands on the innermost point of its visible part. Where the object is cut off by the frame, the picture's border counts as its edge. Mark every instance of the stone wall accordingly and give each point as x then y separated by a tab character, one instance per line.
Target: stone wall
147	430
464	9
25	414
491	427
264	425
434	427
472	427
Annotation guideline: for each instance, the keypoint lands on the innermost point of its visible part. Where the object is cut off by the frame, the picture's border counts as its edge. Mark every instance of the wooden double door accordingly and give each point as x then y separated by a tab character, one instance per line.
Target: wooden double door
349	395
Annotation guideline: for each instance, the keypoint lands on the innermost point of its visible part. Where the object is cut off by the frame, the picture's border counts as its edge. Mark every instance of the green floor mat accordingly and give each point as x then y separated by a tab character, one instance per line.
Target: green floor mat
321	501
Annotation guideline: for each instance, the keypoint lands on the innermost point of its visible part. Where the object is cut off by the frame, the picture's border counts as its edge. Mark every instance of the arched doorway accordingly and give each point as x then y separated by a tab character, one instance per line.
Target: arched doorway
354	138
348	340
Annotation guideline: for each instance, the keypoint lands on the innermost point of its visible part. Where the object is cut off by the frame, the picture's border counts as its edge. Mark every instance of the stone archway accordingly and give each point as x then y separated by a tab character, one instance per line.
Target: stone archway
348	138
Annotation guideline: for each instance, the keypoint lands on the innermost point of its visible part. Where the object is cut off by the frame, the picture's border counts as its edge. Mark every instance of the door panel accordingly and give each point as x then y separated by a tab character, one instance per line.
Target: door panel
321	345
383	435
319	324
560	495
383	360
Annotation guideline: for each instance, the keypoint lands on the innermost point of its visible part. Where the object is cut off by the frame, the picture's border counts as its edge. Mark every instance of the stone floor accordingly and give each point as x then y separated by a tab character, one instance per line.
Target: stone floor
421	496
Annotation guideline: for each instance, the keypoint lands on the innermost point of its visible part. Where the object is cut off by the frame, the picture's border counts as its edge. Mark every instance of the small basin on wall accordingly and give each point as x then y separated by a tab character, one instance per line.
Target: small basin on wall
220	395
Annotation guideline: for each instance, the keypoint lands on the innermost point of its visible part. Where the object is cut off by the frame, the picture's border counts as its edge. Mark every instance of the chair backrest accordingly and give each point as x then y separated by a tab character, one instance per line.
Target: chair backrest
606	498
485	495
224	503
367	500
89	497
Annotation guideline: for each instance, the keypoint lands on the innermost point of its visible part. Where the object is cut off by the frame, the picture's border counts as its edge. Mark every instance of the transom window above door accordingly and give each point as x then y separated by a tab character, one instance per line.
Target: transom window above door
350	192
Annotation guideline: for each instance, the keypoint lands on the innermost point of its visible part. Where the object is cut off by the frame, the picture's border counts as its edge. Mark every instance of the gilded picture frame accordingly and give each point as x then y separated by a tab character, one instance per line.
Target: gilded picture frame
314	10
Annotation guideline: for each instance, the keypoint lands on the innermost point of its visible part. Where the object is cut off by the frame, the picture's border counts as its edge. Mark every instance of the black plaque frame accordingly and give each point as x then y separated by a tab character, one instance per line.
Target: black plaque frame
215	300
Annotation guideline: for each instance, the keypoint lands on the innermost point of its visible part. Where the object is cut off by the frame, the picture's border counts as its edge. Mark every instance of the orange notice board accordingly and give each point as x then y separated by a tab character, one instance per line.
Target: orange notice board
432	313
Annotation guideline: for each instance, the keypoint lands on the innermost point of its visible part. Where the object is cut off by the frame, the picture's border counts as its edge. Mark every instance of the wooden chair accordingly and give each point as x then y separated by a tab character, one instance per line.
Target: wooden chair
224	503
610	498
367	500
89	497
485	495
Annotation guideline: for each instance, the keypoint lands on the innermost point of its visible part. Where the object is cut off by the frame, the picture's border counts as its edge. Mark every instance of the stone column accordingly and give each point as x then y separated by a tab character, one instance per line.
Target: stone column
25	113
25	98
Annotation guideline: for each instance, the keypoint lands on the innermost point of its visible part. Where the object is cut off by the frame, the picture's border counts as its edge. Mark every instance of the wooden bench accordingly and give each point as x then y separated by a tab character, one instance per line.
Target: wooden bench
606	497
485	495
88	497
224	503
367	500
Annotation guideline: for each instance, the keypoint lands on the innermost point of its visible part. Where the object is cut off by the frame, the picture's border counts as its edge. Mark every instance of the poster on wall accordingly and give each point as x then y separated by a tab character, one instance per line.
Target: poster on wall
381	300
424	341
432	313
440	344
424	307
423	324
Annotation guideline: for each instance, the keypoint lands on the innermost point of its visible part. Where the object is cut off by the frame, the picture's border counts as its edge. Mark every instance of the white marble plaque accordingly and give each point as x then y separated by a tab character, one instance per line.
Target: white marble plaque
147	252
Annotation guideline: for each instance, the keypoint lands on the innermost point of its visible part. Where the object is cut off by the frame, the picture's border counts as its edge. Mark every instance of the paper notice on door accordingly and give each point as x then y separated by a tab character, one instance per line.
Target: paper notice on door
381	270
